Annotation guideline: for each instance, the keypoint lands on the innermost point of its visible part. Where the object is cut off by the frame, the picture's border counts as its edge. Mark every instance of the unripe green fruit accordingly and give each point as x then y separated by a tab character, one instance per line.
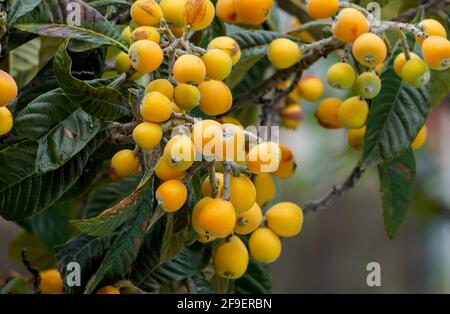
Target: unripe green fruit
341	75
369	85
416	73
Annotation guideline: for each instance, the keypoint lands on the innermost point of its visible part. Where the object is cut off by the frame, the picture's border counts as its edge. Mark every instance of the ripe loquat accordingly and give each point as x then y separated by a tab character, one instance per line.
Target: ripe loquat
165	172
264	245
204	134
156	107
420	139
355	138
6	121
8	88
242	193
171	195
264	157
230	143
174	12
146	12
226	11
287	165
266	189
231	258
327	113
400	60
283	53
125	163
353	112
187	96
248	221
253	12
310	88
218	218
146	56
147	135
199	13
108	290
51	282
145	33
436	52
341	75
285	219
292	116
216	97
349	25
161	85
431	27
189	69
322	9
218	64
369	49
179	152
227	45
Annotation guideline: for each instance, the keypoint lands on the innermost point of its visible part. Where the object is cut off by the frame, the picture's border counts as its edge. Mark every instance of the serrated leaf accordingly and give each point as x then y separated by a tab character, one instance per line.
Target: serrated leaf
87	252
397	186
37	192
395	118
19	8
102	102
99	226
58	19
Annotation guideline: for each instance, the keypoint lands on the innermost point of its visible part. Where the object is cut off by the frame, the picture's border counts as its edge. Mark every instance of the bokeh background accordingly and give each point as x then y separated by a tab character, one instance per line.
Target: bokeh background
335	246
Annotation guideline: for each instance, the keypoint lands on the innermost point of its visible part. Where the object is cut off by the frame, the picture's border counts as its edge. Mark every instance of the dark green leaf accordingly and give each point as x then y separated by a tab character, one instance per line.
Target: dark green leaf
397	186
440	86
99	226
102	102
395	117
199	285
255	280
20	8
38	253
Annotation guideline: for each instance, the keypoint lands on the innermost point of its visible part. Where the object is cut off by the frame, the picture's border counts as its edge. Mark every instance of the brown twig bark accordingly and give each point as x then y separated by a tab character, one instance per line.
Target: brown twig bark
34	272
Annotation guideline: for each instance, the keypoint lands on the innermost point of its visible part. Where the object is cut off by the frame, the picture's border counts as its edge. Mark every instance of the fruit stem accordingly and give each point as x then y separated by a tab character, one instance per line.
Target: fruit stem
226	180
404	43
213	179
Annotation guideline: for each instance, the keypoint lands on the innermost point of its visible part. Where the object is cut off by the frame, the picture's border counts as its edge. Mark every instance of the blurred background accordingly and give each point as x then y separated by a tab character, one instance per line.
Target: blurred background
333	250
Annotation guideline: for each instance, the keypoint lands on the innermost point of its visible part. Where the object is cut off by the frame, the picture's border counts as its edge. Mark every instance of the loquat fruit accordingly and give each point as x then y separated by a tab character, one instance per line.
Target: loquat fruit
6	121
283	53
285	219
165	172
436	52
230	143
287	166
147	135
218	218
355	138
369	49
310	88
242	193
156	107
206	185
231	258
264	245
145	33
125	163
187	96
341	75
171	195
195	217
8	88
218	64
416	73
161	85
400	60
253	12
292	116
248	221
126	34
322	9
431	27
199	13
146	12
349	25
368	85
327	113
216	97
227	45
264	157
123	64
51	282
420	139
179	152
174	12
353	112
189	69
226	11
108	290
146	56
204	134
266	189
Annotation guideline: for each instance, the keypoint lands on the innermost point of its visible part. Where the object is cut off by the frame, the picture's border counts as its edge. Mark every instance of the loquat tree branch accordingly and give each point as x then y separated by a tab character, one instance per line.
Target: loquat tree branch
431	6
34	272
336	192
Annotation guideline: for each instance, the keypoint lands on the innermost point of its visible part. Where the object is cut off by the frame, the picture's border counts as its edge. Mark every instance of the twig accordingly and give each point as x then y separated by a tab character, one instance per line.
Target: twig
193	171
34	272
226	180
213	179
336	192
191	286
433	5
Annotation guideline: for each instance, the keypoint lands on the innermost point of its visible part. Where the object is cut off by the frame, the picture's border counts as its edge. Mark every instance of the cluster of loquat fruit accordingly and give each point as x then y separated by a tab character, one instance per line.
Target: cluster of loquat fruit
8	92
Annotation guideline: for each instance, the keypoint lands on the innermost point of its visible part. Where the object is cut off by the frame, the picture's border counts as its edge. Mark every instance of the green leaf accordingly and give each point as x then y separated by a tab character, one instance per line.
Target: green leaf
397	186
102	102
396	116
37	192
109	195
57	20
20	8
255	280
99	226
87	252
199	285
16	285
123	252
38	253
440	86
